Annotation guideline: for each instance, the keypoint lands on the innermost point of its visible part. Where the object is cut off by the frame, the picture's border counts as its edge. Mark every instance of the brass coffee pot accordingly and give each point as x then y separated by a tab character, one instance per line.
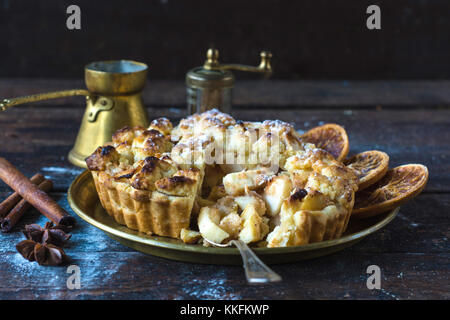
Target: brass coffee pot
210	86
113	100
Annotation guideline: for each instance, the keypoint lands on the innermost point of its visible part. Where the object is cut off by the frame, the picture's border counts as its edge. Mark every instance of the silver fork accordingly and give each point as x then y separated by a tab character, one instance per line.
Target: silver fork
256	271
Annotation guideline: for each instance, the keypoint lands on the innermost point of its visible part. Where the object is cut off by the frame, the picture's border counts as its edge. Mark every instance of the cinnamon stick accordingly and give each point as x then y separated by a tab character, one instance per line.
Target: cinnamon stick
31	193
15	214
14	198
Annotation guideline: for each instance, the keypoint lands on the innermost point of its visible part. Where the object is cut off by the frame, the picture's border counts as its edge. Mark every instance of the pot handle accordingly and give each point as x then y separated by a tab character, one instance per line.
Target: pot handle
8	103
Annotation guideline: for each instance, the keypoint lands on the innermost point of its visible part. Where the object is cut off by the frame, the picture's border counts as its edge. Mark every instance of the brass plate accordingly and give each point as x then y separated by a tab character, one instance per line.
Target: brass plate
84	201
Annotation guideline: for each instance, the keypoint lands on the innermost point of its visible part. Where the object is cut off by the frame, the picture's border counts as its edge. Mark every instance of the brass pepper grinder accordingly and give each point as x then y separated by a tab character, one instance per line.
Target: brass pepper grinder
113	100
210	86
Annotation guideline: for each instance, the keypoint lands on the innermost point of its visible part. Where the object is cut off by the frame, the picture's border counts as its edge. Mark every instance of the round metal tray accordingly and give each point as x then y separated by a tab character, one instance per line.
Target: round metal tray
84	201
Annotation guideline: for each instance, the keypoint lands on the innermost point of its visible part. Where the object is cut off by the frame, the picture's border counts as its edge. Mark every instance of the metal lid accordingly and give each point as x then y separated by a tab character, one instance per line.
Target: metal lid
202	78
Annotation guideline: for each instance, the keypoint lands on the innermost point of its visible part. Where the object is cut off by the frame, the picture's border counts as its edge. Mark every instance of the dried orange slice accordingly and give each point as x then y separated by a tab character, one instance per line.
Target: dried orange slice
369	167
398	186
330	137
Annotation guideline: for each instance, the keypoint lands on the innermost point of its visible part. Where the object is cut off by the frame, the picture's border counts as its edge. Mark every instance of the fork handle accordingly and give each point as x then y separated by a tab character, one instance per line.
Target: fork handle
256	271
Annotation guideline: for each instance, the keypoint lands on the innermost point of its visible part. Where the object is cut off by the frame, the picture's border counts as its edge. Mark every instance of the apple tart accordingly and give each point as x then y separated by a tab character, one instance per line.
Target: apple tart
218	178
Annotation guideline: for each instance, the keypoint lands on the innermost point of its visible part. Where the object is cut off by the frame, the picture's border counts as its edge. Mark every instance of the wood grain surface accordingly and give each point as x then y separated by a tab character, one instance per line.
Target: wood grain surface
412	251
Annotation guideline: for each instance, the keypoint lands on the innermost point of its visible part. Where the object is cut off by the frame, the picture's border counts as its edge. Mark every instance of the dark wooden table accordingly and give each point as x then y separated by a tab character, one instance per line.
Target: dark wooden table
408	120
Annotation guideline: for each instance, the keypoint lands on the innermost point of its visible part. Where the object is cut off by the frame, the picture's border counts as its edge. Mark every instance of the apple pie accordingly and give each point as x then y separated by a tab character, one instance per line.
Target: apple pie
219	178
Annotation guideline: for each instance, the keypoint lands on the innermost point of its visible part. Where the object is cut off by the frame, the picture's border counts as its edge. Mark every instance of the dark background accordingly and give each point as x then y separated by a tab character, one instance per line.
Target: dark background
310	39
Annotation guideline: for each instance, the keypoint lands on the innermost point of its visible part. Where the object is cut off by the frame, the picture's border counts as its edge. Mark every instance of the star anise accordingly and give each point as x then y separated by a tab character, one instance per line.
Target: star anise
50	234
26	249
43	254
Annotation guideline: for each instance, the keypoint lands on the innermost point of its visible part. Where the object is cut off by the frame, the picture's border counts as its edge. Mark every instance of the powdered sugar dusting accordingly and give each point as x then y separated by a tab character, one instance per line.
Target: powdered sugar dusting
61	170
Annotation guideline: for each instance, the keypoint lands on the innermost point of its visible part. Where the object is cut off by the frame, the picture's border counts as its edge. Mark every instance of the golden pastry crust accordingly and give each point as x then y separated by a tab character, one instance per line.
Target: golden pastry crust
102	158
164	179
176	186
153	142
163	125
150	170
126	135
140	185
